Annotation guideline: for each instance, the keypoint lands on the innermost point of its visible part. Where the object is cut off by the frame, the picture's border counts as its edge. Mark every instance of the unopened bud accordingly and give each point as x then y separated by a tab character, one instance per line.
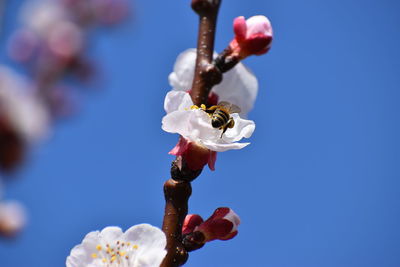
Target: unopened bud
222	225
252	36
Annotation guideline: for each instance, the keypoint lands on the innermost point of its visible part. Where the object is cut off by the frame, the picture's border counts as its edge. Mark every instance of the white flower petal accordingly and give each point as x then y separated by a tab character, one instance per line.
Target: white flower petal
111	233
177	100
150	241
242	129
140	246
238	87
221	147
182	77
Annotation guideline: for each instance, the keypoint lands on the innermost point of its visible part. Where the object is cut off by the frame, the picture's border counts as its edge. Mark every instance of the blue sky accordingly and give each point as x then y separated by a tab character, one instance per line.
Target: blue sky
318	186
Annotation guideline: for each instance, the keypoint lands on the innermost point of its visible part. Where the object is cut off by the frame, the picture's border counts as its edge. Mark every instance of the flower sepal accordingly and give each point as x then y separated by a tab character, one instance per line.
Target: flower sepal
194	155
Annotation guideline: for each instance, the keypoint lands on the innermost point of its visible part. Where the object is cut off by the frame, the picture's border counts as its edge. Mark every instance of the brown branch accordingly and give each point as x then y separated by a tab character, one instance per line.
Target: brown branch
206	75
178	189
177	194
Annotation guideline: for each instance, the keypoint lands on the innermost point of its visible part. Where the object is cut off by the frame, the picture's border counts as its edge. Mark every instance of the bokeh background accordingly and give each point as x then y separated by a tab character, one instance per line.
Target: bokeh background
318	186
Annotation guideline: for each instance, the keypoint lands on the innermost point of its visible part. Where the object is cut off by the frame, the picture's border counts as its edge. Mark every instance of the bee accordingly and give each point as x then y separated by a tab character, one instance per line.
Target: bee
220	115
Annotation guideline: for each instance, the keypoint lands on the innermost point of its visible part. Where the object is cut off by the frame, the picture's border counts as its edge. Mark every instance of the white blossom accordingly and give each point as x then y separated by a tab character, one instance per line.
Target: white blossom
239	85
24	110
195	124
140	246
12	217
41	16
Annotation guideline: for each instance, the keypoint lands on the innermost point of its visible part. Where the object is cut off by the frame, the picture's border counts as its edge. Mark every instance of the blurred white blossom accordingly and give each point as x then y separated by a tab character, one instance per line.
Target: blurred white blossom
12	217
140	246
21	106
42	16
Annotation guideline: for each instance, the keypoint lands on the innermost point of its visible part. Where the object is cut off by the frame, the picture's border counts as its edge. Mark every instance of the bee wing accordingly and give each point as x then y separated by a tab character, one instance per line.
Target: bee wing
230	107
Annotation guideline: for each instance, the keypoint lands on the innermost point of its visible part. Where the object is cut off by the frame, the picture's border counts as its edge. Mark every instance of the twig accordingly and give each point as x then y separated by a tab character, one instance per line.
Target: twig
178	189
206	74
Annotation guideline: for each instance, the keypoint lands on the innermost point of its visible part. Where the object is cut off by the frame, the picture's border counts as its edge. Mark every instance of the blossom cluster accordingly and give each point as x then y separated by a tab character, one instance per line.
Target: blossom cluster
51	44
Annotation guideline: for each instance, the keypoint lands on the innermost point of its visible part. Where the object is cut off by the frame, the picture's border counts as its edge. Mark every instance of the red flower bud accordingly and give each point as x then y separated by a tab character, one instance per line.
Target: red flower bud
222	225
190	223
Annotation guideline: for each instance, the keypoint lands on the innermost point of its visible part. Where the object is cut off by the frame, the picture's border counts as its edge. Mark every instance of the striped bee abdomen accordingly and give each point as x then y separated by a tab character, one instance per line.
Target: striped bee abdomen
219	118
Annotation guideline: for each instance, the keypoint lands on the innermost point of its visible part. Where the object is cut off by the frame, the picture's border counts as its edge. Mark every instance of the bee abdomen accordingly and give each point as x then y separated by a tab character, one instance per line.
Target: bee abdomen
219	119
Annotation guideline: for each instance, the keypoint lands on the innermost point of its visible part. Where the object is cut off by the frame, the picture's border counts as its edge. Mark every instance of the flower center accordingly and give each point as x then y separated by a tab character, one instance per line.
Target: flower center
118	253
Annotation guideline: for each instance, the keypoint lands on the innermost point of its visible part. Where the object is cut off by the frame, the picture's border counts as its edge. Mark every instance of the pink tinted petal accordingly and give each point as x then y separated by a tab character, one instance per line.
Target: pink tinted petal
240	27
258	24
180	147
212	159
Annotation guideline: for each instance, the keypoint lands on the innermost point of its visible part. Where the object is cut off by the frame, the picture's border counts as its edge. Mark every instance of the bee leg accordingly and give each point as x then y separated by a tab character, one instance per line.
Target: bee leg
231	123
211	109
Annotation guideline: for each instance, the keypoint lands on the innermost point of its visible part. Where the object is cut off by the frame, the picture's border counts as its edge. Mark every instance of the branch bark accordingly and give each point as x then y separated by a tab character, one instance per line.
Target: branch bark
178	189
206	74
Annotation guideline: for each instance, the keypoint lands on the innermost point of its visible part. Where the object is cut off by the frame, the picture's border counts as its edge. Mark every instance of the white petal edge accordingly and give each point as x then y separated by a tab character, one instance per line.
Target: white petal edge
239	86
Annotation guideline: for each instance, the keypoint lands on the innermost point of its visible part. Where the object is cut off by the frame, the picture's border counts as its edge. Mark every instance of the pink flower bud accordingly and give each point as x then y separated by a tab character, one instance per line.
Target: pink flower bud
190	223
195	155
22	45
221	225
252	36
66	40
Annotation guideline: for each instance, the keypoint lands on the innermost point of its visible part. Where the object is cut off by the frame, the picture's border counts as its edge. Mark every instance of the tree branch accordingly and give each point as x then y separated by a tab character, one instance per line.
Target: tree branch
206	75
178	189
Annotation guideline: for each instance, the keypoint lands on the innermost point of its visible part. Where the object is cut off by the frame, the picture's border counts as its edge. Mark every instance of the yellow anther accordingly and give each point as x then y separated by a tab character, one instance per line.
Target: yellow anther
94	255
98	247
122	253
135	246
203	106
194	107
128	243
113	258
104	260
